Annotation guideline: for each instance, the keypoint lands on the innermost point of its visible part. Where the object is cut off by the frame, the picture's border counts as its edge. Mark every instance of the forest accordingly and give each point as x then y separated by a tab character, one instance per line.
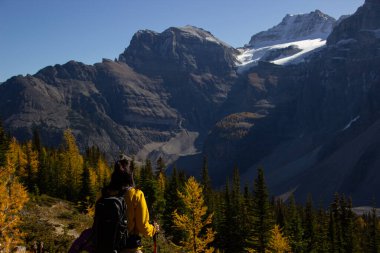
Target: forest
194	216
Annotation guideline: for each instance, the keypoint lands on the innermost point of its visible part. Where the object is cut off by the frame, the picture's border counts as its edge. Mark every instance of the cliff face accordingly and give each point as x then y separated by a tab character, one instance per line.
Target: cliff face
196	68
107	104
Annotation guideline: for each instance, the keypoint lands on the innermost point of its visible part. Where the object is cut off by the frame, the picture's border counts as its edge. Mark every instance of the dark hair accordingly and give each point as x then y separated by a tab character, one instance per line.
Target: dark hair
121	177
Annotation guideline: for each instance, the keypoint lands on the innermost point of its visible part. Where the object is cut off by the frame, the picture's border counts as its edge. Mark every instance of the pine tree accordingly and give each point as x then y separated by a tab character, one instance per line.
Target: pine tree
321	234
262	215
161	185
31	166
86	191
4	145
332	233
374	232
293	227
236	226
247	217
223	238
193	220
148	185
309	226
173	202
360	234
206	184
347	223
279	213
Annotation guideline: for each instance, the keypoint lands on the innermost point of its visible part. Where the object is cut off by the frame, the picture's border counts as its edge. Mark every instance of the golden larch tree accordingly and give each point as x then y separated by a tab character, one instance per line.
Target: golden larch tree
71	164
13	196
193	220
278	243
17	158
103	173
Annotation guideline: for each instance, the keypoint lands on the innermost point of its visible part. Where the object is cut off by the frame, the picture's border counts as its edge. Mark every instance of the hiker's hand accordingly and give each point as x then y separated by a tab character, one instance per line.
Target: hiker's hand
156	226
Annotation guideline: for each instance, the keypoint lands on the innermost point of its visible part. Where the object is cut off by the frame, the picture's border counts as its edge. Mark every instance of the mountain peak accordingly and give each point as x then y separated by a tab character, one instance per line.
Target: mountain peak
183	47
194	32
313	25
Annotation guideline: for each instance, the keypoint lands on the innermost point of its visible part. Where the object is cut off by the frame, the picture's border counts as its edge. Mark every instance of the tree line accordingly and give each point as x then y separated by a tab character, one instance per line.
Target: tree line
194	216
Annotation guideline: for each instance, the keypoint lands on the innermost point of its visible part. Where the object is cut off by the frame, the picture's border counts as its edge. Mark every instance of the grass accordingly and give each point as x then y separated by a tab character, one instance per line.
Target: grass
54	222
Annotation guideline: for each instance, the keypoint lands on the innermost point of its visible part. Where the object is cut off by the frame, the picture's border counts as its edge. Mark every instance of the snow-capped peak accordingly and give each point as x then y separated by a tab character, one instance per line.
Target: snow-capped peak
314	25
295	37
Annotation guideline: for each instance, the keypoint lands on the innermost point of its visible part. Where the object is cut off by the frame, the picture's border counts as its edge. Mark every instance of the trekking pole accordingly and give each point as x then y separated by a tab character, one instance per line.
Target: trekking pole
155	242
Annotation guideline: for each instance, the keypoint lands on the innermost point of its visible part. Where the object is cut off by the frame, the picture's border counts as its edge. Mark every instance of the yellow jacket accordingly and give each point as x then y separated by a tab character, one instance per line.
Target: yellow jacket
138	214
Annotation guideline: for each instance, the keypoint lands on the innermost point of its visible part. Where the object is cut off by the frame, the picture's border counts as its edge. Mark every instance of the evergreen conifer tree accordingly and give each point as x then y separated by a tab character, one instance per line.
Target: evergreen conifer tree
237	236
206	184
223	236
309	226
293	227
173	203
374	232
4	144
148	185
262	215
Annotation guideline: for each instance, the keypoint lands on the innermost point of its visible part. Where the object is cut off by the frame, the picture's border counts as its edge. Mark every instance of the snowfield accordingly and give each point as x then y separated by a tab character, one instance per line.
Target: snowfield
250	57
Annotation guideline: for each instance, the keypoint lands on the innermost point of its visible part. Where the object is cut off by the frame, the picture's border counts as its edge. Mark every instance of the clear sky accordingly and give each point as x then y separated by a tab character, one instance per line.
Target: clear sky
38	33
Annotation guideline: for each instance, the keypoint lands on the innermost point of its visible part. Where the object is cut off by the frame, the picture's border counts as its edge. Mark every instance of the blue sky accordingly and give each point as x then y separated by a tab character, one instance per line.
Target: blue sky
38	33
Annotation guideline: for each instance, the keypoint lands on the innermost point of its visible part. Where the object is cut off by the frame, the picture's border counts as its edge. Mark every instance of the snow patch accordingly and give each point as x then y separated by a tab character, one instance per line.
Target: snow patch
350	123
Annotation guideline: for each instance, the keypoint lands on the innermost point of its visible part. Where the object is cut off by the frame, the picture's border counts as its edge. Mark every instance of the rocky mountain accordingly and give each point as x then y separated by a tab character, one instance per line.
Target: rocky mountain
314	126
163	85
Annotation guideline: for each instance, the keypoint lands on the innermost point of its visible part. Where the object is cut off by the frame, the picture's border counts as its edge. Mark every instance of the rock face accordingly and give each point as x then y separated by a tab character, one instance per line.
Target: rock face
107	104
314	126
196	68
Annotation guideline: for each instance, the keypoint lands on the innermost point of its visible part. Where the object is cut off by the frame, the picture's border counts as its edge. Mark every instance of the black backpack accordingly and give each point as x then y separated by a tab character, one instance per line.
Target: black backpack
110	224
